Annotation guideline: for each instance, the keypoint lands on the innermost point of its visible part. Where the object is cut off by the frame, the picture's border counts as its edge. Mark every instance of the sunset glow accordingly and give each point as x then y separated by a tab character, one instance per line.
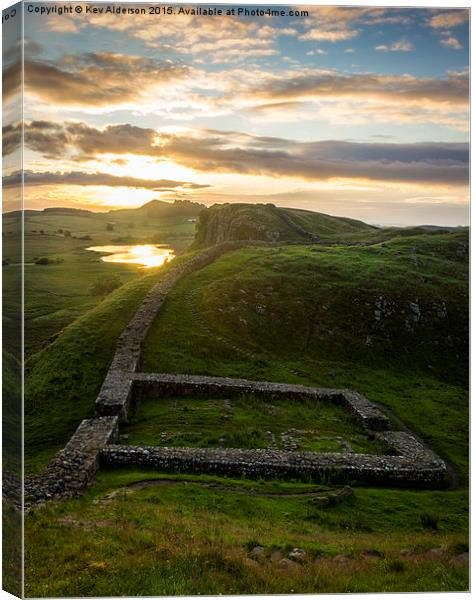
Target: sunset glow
358	112
145	255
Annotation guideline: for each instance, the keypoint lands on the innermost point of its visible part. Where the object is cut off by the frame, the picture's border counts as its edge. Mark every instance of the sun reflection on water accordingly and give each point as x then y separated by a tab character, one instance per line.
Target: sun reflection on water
146	255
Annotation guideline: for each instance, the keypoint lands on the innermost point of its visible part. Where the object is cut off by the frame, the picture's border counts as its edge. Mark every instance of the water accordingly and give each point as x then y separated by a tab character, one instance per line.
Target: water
145	255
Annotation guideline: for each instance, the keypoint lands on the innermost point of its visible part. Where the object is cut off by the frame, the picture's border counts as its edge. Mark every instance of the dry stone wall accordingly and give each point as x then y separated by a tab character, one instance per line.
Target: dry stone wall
165	384
401	470
74	467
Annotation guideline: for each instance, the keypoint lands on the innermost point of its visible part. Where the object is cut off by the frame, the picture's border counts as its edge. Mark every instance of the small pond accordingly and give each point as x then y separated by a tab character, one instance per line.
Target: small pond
145	255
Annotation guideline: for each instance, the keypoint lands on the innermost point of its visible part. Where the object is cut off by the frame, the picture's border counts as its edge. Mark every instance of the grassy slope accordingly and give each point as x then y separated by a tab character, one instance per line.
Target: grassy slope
272	315
186	539
199	539
57	294
62	381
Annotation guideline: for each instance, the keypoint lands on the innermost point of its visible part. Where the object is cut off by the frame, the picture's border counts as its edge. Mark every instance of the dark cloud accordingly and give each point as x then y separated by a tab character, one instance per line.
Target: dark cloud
235	152
54	140
314	161
80	178
11	80
11	138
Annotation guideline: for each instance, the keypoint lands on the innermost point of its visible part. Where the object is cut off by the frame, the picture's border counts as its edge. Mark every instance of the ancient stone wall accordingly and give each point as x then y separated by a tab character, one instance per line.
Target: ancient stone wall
165	384
74	467
402	470
114	397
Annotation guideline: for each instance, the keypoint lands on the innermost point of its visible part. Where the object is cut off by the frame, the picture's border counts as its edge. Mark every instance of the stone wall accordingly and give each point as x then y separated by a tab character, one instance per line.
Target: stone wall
417	466
114	397
166	384
74	467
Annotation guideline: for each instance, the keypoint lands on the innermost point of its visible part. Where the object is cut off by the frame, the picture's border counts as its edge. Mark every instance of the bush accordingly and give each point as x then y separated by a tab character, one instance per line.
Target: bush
105	285
110	227
43	261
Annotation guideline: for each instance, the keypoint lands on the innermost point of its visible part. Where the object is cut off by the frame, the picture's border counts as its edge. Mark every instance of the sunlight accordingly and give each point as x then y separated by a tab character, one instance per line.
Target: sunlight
145	255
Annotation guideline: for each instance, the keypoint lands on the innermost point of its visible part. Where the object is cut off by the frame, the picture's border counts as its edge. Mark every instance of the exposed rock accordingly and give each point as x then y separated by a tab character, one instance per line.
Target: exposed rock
286	563
461	559
297	554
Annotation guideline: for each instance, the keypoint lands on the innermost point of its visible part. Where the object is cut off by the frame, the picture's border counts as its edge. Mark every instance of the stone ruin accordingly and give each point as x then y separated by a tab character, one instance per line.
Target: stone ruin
93	444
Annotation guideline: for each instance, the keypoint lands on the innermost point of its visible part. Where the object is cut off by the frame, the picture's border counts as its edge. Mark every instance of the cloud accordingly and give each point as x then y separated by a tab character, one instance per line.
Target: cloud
451	42
99	79
97	179
338	24
401	46
449	19
329	36
11	81
187	34
316	51
317	161
11	138
315	85
240	153
82	142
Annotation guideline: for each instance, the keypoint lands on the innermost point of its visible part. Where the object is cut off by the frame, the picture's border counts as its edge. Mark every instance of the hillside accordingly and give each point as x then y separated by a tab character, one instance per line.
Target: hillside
359	317
59	291
269	223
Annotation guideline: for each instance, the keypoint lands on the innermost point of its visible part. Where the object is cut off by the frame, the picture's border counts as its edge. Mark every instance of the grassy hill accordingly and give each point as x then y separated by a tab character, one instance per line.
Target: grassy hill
388	318
58	292
269	223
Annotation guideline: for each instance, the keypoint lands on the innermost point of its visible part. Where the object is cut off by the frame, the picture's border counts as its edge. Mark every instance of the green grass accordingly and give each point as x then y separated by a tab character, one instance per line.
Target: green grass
63	380
190	538
57	294
205	423
298	314
11	549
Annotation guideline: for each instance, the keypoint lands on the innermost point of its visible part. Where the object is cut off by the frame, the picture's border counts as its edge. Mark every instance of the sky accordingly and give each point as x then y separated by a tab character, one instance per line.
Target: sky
350	111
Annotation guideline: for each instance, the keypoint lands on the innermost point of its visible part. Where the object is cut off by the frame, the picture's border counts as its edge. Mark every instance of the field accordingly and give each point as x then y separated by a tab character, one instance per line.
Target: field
388	319
222	536
59	292
247	422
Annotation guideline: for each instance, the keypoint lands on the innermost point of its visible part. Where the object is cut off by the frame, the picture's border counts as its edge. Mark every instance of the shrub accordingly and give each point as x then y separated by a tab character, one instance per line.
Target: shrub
105	285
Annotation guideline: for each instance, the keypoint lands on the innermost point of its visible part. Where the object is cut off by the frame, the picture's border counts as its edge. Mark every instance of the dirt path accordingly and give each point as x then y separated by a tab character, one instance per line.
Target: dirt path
146	483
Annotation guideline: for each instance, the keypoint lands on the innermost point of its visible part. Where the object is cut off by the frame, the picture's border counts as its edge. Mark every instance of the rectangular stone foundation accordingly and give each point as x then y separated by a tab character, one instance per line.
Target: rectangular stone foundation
422	470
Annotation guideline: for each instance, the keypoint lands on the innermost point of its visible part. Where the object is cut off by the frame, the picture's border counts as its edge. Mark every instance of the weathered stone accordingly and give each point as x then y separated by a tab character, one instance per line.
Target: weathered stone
297	554
419	468
286	563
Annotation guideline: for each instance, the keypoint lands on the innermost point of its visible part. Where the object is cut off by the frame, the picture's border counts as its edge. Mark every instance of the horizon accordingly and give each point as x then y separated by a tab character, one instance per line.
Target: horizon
99	211
350	111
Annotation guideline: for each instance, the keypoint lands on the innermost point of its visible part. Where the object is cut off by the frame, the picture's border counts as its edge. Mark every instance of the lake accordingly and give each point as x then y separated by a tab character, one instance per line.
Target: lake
145	255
